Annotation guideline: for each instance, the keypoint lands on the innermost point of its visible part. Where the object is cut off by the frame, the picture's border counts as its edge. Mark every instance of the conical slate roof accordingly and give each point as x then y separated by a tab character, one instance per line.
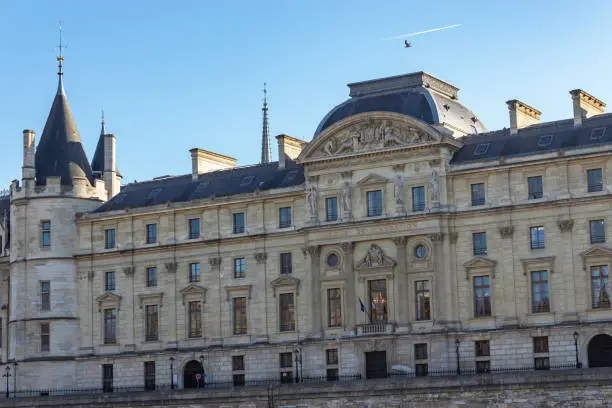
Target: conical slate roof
97	164
60	152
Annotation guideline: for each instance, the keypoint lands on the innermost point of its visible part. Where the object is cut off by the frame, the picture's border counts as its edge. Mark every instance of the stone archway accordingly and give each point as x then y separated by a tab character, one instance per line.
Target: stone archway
193	375
600	351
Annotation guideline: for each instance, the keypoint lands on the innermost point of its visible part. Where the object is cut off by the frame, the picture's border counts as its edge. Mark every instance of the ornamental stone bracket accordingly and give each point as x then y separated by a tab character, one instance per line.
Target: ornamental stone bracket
171	267
538	263
151	298
108	299
128	271
285	281
261	257
506	231
238	288
312	250
193	291
565	225
215	262
596	254
480	264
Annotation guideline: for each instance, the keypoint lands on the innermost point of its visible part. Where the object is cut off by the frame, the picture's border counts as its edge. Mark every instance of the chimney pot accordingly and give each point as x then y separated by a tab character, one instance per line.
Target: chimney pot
203	161
521	115
585	105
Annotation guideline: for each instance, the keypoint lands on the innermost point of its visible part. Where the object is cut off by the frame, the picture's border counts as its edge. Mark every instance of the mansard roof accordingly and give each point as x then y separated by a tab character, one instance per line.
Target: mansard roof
541	138
220	183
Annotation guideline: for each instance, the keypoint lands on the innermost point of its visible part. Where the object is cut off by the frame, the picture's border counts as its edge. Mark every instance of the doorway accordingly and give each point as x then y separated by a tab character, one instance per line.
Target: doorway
376	364
600	351
193	375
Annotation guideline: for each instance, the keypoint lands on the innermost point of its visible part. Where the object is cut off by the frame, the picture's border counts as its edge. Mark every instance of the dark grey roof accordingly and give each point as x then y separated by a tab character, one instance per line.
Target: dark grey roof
60	151
97	163
545	137
215	184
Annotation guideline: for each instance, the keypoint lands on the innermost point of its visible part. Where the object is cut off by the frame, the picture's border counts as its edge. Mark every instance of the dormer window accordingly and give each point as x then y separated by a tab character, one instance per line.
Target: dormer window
544	141
481	149
598	133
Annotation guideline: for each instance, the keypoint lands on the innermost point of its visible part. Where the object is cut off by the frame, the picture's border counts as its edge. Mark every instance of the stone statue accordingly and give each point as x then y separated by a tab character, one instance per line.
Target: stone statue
434	186
346	198
311	196
374	257
398	190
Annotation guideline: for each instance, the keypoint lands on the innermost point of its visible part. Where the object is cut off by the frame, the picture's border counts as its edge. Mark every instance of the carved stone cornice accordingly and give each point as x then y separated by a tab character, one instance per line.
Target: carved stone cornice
400	241
565	225
215	262
436	237
506	231
261	257
128	271
171	267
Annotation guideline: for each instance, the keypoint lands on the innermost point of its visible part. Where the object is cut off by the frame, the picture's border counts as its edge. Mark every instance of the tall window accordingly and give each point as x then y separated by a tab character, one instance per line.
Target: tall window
107	377
374	203
479	241
537	237
420	358
423	300
194	228
151	233
534	185
378	300
482	296
331	360
334	308
194	272
600	287
597	231
239	267
110	326
45	334
45	295
238	370
594	180
240	315
331	208
286	367
45	233
483	353
287	312
418	198
195	319
151	323
238	223
149	375
478	194
151	276
286	265
539	292
109	238
284	217
109	280
540	347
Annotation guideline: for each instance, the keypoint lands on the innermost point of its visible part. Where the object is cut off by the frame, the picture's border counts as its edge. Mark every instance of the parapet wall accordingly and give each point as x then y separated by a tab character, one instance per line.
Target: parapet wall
54	188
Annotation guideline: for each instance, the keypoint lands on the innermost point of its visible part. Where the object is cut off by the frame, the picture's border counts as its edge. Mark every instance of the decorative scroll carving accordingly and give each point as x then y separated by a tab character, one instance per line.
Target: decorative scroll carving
215	262
506	231
312	250
375	258
436	237
261	257
171	267
565	225
128	271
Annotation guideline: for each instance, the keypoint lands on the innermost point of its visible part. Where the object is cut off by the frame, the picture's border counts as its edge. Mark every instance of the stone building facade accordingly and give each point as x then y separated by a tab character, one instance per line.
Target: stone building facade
403	236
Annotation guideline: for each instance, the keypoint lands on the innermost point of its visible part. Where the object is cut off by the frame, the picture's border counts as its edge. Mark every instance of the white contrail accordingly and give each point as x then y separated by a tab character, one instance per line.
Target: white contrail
422	32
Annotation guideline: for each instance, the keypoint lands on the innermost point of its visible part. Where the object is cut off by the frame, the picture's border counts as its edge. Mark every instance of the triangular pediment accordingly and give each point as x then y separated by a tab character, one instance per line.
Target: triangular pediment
597	251
193	289
479	262
375	258
108	297
285	281
372	178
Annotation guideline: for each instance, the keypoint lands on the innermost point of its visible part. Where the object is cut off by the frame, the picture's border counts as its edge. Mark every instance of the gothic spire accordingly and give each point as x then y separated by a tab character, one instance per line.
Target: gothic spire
97	163
265	134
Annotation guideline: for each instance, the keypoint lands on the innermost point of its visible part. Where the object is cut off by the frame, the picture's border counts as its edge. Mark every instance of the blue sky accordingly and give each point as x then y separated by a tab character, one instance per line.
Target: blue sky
176	75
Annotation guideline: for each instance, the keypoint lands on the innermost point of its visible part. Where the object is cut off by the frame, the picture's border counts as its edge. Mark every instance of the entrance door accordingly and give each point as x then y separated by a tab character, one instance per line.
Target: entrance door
600	351
193	375
376	364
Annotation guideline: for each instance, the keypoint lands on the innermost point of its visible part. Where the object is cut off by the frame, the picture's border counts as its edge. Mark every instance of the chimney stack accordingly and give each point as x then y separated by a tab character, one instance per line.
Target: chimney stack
203	161
585	105
111	181
521	115
28	171
288	147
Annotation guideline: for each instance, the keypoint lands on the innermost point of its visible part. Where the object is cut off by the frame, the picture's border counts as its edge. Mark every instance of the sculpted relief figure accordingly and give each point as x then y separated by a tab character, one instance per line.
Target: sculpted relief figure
374	257
311	197
434	186
346	198
398	190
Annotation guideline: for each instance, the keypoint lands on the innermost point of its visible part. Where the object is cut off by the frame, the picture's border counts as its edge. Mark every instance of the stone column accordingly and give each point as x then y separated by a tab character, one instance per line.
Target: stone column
351	301
401	277
443	291
314	251
171	313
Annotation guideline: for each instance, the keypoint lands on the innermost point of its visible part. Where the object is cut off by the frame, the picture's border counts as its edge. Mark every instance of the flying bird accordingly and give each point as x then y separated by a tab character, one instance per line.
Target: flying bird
407	44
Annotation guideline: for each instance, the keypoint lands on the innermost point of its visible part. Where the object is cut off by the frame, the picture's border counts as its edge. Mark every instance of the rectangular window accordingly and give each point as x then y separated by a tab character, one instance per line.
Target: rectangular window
421	370
478	194
110	326
378	300
287	312
286	264
151	233
375	205
45	295
194	228
238	223
109	238
331	209
109	281
534	185
594	180
482	296
540	344
151	323
420	351
600	287
45	233
483	366
238	370
479	241
149	375
284	217
286	366
537	237
239	268
194	272
334	308
423	300
418	198
240	315
539	292
195	319
481	348
597	231
541	363
151	277
45	334
331	358
107	377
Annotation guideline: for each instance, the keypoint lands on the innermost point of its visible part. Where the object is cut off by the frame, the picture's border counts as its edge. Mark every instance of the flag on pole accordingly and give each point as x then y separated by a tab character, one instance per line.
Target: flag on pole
362	305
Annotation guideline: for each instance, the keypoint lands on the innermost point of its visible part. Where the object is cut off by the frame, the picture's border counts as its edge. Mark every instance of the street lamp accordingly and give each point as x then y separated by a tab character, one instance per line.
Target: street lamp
578	363
7	375
14	378
171	373
457	342
296	352
203	372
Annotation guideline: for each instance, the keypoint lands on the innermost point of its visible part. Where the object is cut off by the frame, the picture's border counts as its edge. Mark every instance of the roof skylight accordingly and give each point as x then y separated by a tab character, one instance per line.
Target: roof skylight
598	133
545	140
481	149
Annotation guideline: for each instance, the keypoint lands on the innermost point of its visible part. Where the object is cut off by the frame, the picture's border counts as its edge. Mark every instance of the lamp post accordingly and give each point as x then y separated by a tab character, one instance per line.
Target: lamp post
14	378
7	374
203	372
578	364
171	373
457	342
296	352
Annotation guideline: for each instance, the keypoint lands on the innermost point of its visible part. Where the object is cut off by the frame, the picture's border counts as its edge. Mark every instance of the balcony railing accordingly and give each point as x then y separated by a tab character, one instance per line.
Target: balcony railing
595	187
375	328
480	251
598	239
374	211
478	201
418	206
537	244
540	307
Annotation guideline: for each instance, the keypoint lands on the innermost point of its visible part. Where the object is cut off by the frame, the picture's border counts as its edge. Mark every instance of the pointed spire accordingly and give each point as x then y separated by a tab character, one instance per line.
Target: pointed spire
60	63
102	131
265	136
97	163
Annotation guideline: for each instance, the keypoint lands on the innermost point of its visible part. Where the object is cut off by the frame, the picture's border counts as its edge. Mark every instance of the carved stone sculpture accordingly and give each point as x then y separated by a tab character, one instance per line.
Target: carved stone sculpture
346	199
398	193
311	197
375	258
434	187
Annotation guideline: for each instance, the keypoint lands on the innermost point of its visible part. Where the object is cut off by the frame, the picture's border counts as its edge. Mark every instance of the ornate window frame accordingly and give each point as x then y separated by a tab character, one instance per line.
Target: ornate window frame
536	264
333	284
594	256
373	182
108	300
480	266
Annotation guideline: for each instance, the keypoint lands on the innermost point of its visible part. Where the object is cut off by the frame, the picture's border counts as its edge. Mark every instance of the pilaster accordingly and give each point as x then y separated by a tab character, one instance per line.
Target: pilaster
401	277
314	252
351	302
